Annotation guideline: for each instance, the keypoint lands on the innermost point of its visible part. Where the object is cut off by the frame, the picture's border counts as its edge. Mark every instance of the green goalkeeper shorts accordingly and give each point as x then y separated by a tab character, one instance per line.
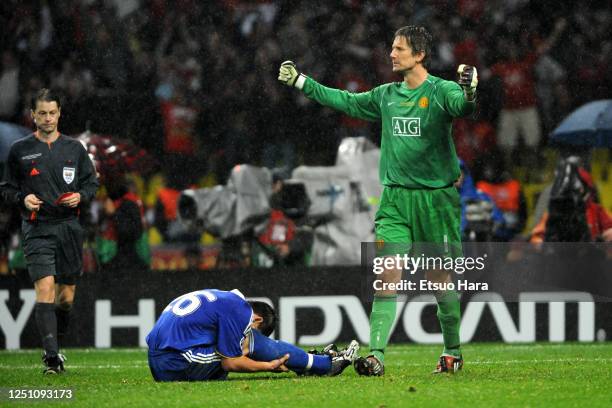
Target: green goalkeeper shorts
423	221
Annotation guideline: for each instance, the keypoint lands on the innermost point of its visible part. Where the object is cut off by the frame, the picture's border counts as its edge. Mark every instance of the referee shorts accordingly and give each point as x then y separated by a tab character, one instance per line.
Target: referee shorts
54	249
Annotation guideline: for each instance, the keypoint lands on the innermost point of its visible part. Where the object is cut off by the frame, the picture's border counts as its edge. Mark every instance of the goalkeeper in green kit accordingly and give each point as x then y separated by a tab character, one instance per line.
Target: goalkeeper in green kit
418	169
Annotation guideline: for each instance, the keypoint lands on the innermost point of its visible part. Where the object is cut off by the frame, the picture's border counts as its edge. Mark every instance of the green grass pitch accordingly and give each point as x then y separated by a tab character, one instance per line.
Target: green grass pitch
529	375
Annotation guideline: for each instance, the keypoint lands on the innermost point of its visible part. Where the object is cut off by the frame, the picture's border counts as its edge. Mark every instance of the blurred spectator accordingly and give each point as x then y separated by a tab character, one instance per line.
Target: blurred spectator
506	193
166	212
275	240
10	225
472	10
352	80
31	30
519	115
480	217
550	75
179	122
33	85
9	86
467	50
68	34
590	44
123	245
77	84
473	139
73	80
110	67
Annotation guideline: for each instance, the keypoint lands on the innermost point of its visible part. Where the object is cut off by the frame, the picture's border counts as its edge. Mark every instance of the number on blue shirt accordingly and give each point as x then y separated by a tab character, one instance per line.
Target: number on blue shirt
189	303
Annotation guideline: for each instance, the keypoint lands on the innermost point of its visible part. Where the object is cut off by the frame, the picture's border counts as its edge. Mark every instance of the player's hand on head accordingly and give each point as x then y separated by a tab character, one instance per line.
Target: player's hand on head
289	75
468	79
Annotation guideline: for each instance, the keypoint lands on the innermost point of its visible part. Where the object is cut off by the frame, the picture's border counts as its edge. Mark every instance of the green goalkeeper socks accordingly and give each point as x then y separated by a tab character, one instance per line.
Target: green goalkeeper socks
383	313
449	315
381	320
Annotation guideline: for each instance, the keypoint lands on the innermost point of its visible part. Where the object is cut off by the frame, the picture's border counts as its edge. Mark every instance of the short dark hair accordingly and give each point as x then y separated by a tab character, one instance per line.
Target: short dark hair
418	38
267	314
46	95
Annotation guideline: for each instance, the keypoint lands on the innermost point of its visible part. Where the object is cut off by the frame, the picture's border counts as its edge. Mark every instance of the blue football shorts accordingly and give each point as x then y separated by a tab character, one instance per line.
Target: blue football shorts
196	364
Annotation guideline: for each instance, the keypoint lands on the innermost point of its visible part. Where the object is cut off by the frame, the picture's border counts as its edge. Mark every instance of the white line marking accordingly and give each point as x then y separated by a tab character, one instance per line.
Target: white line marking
419	349
510	362
468	362
79	350
70	366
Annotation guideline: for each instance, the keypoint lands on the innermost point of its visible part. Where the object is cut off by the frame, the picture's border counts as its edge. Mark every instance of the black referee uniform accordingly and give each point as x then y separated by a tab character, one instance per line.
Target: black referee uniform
52	237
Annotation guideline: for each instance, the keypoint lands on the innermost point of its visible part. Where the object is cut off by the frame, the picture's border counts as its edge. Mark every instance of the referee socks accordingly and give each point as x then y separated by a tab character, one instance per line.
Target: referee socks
46	322
62	314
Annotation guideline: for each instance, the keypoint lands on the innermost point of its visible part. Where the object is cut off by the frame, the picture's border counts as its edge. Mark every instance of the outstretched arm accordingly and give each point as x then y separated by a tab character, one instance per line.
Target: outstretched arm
549	42
364	105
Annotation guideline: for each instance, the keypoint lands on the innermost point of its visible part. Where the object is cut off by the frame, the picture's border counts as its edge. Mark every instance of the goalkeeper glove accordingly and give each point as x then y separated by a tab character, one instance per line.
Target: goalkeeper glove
289	75
468	80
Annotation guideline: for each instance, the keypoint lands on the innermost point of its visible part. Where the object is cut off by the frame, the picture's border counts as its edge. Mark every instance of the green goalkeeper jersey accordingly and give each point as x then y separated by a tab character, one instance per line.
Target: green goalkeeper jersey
417	149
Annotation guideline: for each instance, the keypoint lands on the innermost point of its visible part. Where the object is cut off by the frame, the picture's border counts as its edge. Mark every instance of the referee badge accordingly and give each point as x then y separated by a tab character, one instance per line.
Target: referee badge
68	174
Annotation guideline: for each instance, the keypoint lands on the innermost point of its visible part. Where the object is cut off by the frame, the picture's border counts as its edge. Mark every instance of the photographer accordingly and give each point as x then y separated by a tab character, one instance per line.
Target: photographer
573	215
283	241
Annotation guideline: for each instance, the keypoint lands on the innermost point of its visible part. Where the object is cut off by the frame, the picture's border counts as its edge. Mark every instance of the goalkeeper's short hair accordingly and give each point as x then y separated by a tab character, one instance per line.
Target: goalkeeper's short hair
268	315
418	38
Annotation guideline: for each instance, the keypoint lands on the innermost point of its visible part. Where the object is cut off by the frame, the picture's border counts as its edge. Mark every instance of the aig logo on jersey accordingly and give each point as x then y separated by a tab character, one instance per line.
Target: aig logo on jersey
406	126
68	174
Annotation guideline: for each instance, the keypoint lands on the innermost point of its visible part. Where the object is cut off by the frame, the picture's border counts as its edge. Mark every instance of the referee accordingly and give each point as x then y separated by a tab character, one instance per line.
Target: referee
49	176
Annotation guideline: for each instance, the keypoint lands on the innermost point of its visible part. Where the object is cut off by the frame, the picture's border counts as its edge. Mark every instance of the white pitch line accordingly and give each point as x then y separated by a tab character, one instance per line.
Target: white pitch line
509	362
397	349
531	346
418	349
468	362
79	350
69	366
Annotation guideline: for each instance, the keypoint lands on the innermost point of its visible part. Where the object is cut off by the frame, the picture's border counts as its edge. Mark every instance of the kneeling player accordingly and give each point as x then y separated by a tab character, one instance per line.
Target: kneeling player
203	335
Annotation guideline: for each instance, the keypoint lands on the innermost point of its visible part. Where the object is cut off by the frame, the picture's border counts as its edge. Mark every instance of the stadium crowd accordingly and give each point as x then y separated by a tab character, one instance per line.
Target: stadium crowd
194	82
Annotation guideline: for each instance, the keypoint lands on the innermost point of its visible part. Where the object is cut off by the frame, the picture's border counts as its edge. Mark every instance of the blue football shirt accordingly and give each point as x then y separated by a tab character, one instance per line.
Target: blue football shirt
208	317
